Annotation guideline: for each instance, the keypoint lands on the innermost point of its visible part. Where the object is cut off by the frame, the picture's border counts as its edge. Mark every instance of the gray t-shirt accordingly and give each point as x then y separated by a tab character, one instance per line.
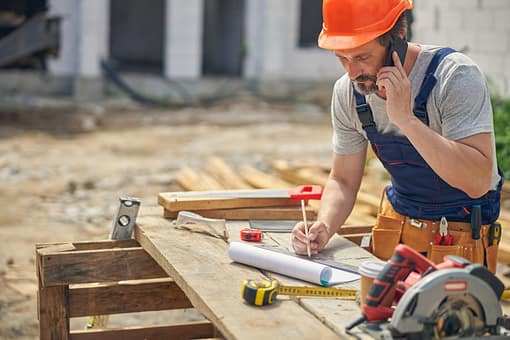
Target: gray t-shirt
458	106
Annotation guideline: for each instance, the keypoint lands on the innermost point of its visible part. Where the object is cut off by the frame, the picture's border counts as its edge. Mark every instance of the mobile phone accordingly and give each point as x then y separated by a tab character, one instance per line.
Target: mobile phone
400	46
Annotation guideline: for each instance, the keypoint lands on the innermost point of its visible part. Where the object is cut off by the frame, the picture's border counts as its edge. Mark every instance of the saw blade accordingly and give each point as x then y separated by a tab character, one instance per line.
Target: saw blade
459	315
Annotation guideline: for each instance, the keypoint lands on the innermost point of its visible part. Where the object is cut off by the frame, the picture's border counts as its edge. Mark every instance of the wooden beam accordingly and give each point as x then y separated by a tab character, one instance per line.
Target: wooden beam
354	229
299	175
225	175
175	203
52	303
189	179
200	266
262	180
189	330
86	266
52	308
126	297
265	213
85	245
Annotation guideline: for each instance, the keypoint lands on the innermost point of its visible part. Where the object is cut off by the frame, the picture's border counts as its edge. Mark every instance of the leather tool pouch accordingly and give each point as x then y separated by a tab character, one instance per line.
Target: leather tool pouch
466	247
391	228
490	250
387	230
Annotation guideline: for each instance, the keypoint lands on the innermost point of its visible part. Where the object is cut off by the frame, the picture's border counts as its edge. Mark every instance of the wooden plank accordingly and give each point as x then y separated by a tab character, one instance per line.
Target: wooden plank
285	171
225	175
126	297
173	203
189	330
189	179
354	238
262	180
355	229
87	266
310	175
265	213
86	245
336	314
53	312
299	175
200	266
52	308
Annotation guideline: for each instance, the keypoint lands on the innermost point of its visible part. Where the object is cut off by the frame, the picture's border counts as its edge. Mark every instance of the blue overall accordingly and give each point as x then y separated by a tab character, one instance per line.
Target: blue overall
416	190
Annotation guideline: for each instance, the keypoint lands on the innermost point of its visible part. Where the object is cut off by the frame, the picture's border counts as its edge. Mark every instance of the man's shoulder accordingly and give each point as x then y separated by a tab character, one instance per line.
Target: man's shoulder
455	59
342	84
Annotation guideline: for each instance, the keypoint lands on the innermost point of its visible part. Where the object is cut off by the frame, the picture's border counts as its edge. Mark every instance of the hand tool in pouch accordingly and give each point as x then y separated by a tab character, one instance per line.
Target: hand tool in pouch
494	234
443	238
264	292
476	223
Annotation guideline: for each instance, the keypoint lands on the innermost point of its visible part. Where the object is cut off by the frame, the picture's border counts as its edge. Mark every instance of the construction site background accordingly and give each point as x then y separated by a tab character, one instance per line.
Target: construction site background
72	142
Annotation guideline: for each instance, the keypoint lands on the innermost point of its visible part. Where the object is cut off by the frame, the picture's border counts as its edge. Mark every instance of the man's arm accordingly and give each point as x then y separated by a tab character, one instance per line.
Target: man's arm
337	202
465	164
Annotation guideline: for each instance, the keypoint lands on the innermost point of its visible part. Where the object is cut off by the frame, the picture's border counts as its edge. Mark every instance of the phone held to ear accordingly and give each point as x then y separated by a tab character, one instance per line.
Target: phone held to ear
400	46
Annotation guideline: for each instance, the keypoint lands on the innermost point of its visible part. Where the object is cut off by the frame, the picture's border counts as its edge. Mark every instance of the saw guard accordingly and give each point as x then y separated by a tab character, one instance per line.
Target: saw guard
421	300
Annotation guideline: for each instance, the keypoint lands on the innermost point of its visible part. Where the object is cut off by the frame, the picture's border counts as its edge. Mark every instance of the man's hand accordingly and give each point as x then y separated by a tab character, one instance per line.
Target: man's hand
397	85
318	237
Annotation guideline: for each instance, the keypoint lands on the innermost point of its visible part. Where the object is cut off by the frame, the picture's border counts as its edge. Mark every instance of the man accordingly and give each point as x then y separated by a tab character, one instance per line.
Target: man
429	121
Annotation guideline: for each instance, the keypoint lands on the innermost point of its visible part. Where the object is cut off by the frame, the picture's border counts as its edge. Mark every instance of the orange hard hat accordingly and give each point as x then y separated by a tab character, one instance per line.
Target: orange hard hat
352	23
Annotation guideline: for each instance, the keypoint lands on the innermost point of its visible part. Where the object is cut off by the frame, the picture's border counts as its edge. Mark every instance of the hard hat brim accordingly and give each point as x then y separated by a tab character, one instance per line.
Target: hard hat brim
345	42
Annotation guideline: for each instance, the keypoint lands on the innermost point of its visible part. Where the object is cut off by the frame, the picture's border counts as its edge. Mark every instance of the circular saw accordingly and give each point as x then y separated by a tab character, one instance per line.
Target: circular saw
413	298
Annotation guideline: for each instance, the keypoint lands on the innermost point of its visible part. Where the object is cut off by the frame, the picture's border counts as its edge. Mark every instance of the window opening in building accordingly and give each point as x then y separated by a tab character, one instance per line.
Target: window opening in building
136	35
310	22
223	48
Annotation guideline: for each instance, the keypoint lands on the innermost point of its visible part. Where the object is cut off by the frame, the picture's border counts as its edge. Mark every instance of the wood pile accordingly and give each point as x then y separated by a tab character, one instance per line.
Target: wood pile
218	175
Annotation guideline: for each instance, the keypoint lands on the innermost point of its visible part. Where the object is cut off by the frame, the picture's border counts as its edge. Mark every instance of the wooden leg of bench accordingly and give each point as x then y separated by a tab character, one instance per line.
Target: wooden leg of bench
53	313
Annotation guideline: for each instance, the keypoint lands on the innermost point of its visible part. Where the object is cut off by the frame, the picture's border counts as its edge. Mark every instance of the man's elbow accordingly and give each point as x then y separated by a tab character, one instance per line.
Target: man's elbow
479	187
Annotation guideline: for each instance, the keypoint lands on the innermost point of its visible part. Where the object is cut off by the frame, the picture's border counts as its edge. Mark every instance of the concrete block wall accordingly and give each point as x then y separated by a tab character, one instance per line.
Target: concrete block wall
183	39
272	29
85	37
479	28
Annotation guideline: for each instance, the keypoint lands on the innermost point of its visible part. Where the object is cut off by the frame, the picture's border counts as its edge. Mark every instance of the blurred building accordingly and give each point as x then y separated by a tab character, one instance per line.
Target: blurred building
181	49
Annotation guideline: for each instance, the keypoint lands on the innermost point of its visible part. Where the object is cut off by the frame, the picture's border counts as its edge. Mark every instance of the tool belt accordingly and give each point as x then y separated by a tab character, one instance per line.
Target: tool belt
392	228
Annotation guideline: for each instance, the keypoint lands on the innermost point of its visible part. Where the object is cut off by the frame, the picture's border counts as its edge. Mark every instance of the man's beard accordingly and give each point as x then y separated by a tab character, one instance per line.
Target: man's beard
364	89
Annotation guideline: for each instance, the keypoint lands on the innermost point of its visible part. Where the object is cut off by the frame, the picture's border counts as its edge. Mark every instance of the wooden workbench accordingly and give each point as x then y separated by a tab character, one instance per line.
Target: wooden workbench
165	268
200	266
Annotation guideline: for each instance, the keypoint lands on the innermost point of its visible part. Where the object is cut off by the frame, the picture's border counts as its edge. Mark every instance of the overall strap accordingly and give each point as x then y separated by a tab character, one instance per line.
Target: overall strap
363	109
420	102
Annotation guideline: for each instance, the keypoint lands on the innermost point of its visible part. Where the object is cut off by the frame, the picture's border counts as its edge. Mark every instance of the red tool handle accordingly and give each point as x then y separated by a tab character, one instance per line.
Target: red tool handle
380	296
306	192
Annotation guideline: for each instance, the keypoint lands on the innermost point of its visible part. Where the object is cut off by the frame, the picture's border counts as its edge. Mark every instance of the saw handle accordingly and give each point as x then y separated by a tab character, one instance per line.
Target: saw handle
381	294
306	192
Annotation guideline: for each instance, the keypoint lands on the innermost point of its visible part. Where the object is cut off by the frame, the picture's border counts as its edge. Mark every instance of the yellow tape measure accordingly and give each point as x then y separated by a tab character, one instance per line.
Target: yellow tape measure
264	292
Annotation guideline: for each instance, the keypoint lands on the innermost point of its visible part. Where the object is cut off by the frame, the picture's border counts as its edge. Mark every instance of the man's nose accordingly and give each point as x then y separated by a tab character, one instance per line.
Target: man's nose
353	70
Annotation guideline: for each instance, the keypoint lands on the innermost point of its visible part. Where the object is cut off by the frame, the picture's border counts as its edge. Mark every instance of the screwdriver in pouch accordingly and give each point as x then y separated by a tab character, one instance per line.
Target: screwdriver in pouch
476	223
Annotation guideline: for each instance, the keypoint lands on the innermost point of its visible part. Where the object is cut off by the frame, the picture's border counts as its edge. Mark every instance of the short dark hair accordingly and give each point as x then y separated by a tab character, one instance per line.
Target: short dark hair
398	30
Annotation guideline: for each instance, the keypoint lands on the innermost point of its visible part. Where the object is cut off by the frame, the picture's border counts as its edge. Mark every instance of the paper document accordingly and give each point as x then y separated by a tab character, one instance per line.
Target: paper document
288	265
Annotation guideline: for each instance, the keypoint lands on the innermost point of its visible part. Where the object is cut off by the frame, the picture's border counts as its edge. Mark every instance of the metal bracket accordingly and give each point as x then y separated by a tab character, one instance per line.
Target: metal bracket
417	223
124	222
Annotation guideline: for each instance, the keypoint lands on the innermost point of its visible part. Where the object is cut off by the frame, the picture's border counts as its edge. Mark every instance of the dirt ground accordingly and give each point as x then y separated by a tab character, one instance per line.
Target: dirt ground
63	169
57	185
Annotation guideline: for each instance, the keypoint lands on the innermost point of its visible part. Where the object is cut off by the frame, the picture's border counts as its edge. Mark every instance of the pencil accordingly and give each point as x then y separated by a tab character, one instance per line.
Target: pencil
308	251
